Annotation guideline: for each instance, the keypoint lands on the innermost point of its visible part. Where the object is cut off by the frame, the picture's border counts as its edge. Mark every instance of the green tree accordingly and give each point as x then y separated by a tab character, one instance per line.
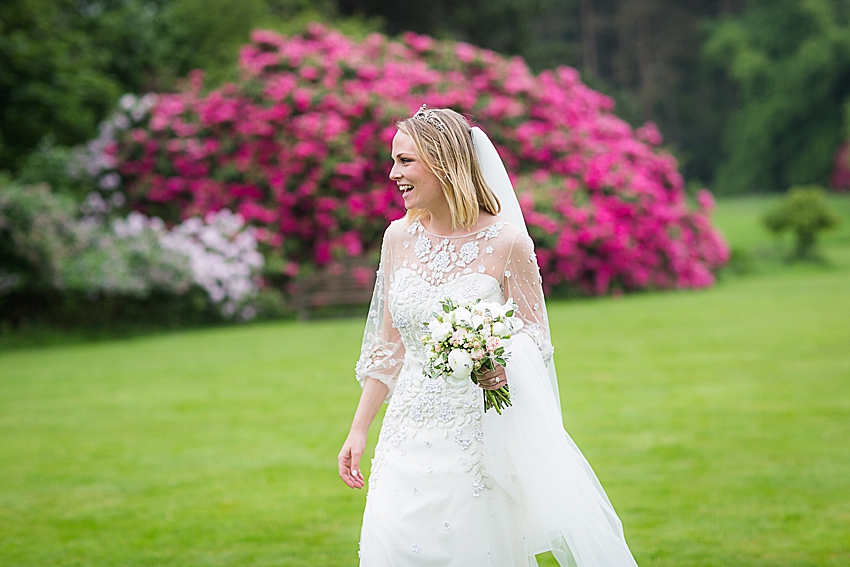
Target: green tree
52	79
790	60
64	63
501	25
806	213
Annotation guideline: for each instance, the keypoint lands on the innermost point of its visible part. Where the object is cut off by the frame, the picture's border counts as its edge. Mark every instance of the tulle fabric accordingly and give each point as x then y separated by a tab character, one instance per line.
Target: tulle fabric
531	457
499	181
528	453
382	350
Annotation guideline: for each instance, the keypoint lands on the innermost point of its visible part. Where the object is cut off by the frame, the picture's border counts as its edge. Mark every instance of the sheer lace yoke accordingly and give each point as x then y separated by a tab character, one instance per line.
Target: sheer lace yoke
418	269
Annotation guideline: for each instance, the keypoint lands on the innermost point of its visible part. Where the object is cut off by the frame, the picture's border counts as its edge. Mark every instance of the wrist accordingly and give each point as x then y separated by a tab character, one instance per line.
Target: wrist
358	431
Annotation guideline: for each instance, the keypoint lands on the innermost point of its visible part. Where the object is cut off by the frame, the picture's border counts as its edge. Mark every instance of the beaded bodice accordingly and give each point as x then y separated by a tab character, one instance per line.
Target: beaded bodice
413	301
418	269
440	268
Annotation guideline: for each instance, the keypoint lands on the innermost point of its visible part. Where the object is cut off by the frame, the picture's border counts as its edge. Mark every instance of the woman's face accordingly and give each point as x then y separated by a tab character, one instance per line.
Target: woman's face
420	188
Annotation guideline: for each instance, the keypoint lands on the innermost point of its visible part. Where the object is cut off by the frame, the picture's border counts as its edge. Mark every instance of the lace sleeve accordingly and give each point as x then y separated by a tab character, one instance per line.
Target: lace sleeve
382	352
523	284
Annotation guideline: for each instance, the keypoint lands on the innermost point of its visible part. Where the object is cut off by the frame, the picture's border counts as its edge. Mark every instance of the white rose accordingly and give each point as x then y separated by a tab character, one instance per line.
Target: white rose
501	330
515	324
479	308
495	309
461	315
477	321
439	331
461	365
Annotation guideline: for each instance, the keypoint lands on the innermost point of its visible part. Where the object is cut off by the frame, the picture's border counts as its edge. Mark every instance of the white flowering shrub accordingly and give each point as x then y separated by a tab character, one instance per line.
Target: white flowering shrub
221	250
37	231
45	246
224	259
97	159
125	257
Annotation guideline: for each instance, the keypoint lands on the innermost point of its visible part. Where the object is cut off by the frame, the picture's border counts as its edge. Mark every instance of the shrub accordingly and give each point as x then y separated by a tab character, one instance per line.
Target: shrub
223	258
47	249
44	245
840	180
806	213
54	165
37	232
299	147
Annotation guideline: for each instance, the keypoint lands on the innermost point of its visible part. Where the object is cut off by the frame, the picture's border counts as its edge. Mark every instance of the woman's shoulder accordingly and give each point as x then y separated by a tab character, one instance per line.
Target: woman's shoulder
508	226
396	233
506	231
397	228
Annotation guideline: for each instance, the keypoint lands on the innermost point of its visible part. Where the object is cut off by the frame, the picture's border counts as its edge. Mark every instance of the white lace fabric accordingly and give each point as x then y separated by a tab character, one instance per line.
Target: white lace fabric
416	271
451	486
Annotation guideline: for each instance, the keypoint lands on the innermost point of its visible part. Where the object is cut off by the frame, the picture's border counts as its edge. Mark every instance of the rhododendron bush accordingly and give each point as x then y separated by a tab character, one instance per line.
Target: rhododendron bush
299	147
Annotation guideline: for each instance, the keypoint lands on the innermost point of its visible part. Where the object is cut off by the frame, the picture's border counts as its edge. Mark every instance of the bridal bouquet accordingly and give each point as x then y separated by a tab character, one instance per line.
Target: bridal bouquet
467	340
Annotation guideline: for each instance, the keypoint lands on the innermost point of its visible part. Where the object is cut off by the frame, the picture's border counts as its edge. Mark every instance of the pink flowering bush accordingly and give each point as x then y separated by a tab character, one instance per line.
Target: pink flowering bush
841	172
299	147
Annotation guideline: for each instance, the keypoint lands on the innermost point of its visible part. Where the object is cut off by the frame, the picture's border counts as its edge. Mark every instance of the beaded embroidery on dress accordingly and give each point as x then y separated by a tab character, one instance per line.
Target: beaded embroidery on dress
443	487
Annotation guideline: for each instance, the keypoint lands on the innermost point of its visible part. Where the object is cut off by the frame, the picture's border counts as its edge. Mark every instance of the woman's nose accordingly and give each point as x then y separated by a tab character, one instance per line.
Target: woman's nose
394	173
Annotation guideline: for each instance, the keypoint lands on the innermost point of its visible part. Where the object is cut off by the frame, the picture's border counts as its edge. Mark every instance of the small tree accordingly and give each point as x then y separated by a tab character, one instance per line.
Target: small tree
805	212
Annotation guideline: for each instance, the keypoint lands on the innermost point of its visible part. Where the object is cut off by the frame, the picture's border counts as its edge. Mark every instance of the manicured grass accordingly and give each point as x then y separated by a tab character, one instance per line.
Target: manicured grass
716	420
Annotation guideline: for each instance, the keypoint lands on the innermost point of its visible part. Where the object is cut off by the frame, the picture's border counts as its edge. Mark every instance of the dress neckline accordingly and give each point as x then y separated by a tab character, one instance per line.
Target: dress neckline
480	230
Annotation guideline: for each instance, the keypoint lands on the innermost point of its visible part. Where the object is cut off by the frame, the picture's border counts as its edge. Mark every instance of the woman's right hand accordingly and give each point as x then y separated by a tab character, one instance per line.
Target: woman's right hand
349	460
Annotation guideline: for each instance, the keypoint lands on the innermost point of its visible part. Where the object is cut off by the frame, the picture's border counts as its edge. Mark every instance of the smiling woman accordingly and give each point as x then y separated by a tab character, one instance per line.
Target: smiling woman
437	157
451	484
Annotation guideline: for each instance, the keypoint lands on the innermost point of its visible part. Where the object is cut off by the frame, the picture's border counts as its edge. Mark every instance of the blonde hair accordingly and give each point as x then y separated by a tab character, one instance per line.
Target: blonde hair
443	140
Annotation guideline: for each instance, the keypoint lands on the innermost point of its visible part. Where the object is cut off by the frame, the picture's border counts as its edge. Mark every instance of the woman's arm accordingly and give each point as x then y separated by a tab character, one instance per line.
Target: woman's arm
523	284
374	393
381	359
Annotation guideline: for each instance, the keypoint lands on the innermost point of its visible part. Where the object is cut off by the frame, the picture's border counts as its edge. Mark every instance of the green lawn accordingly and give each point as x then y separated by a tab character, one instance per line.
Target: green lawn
740	220
717	421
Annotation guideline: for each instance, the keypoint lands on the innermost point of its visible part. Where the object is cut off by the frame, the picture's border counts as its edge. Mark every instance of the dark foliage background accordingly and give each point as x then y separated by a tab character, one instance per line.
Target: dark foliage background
748	93
751	95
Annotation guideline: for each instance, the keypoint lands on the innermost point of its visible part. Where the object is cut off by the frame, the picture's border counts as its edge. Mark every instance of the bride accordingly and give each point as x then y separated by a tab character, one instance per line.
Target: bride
451	484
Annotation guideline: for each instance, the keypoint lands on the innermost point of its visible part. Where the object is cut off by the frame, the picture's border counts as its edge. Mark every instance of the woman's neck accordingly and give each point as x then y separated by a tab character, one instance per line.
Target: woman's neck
441	224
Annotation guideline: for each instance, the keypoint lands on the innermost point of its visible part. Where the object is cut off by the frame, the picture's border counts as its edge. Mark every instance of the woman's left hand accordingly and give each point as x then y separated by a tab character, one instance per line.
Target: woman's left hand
493	379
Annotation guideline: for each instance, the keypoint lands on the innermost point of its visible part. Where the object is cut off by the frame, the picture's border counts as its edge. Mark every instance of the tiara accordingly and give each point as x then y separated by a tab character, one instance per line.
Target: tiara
430	117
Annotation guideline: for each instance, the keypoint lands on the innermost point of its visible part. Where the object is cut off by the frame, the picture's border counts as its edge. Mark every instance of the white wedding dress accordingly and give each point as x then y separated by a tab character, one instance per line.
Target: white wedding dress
449	484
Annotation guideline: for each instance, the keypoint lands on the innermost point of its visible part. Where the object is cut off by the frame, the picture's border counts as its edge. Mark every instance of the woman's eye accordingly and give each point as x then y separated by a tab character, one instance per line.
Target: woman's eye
406	160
